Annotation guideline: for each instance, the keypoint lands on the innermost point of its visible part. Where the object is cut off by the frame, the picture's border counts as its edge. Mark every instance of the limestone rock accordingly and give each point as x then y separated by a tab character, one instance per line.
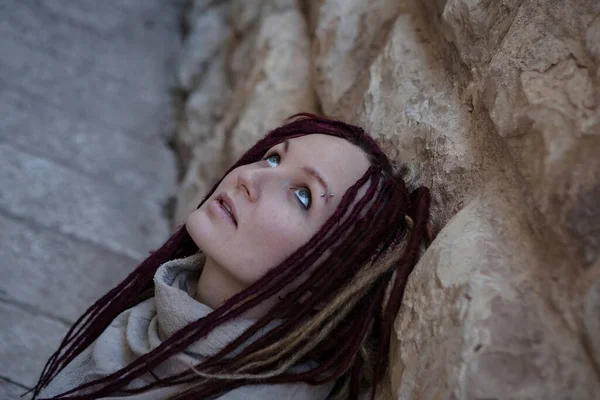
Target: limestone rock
541	91
277	86
242	56
591	319
312	10
409	103
202	76
245	13
348	35
209	32
478	27
205	106
475	321
539	82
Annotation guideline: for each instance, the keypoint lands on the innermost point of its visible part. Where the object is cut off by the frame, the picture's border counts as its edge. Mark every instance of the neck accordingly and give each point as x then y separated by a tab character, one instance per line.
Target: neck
216	285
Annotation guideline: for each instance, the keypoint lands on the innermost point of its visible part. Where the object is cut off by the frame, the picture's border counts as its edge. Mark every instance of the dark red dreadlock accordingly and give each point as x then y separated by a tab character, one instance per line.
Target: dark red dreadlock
364	284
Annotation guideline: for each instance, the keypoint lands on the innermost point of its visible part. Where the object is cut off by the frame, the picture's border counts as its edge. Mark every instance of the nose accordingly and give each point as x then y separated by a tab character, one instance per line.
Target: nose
250	183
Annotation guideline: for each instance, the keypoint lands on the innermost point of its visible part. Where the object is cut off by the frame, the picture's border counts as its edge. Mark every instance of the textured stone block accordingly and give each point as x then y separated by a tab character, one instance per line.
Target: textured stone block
100	152
478	27
55	274
410	104
84	169
93	76
348	36
543	99
10	391
591	319
77	205
208	34
476	322
27	340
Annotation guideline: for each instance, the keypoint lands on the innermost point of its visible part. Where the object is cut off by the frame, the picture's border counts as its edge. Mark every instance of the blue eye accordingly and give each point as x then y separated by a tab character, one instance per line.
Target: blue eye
273	160
303	196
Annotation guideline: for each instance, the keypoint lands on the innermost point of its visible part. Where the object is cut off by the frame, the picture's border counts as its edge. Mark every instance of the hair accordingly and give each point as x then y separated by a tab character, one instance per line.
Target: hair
340	316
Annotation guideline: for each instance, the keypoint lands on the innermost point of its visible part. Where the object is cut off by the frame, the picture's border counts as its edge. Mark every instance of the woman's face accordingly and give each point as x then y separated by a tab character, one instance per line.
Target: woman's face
262	212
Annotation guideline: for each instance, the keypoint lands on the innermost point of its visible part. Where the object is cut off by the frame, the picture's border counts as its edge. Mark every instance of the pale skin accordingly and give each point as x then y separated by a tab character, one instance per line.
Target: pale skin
262	212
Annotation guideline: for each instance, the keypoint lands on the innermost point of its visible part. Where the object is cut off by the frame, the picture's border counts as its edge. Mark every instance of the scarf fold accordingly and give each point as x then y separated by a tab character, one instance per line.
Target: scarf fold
144	327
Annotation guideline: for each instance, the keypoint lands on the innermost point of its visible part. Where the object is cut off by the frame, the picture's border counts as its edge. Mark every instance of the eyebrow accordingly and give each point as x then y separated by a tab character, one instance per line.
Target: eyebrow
311	172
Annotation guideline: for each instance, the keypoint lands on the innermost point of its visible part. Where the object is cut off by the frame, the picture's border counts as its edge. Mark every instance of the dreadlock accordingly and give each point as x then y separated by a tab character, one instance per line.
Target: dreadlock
340	316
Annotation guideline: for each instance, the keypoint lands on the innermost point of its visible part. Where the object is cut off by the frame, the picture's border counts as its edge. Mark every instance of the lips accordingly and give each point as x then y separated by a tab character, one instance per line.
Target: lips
227	205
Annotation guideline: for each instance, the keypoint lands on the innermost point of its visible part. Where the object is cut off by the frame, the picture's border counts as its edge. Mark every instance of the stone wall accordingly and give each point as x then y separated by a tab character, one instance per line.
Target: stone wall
497	102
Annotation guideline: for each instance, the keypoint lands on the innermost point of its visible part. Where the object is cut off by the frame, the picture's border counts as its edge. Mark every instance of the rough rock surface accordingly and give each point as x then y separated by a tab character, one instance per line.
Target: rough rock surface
497	103
84	168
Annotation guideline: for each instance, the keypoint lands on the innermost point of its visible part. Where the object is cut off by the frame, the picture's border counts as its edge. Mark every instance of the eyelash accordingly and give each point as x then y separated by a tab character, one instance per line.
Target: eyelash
304	207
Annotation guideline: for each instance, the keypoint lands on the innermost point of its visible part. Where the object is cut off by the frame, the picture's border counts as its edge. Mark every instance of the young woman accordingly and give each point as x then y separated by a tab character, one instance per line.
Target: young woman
283	284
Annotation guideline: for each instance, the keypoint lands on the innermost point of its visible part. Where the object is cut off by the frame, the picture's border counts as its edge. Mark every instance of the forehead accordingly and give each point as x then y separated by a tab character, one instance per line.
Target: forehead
340	162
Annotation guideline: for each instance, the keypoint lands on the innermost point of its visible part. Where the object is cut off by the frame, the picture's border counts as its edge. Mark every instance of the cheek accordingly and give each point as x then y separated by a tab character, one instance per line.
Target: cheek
279	231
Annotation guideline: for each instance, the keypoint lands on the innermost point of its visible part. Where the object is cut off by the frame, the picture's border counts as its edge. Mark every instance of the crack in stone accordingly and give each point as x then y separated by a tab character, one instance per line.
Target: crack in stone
34	310
13	382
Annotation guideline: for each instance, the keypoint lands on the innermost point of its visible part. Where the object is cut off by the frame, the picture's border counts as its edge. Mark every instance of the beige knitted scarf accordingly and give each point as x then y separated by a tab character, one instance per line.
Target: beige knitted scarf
144	327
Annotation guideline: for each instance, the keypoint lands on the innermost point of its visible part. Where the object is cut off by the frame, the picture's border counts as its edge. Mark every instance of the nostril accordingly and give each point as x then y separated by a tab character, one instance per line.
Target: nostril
246	190
247	183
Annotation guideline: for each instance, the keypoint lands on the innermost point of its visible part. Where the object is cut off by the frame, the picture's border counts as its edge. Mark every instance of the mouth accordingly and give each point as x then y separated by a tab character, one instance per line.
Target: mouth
226	204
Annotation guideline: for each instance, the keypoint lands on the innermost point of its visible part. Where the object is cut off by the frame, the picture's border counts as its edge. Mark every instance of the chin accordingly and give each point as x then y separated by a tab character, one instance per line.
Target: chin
196	225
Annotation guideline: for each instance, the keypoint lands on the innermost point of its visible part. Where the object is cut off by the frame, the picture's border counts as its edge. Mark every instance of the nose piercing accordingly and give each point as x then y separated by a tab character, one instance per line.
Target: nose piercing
323	194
